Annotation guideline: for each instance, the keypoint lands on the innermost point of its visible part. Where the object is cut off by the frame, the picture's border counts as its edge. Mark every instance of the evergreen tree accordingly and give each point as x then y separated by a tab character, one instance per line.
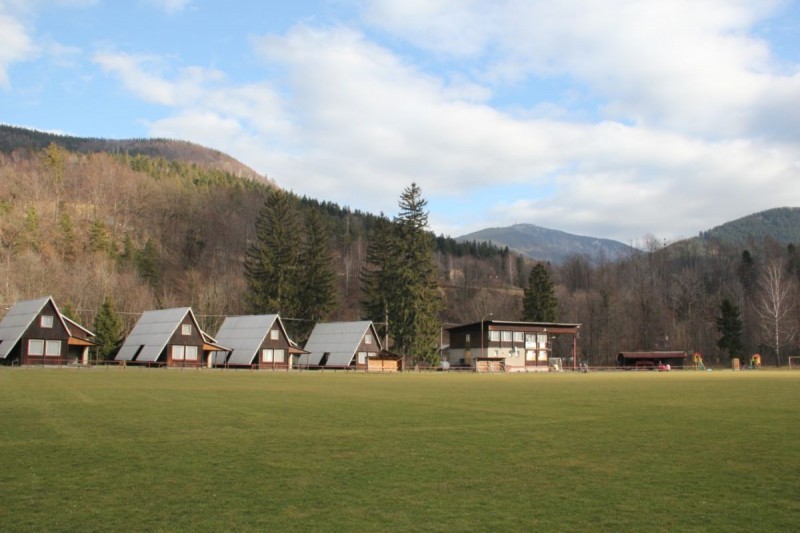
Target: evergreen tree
413	298
99	241
272	259
147	264
378	273
31	235
67	238
316	289
539	303
729	325
107	330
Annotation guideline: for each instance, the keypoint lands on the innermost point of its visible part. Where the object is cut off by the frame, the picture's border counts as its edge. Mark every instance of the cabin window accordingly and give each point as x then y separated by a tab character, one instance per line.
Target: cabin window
280	356
542	340
506	336
35	347
46	321
519	336
191	353
52	348
362	358
186	329
267	356
530	355
367	339
494	336
274	334
466	338
178	353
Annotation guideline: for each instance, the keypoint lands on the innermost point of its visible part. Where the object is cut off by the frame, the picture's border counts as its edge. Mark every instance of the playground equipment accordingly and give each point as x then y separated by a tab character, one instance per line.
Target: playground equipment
697	363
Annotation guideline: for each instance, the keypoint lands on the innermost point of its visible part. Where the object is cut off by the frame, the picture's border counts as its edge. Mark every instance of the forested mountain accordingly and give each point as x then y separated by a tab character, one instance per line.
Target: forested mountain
781	224
551	245
13	138
160	231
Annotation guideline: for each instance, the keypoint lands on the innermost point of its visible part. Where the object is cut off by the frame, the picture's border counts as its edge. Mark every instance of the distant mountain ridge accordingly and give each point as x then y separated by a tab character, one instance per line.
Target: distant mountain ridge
550	245
14	138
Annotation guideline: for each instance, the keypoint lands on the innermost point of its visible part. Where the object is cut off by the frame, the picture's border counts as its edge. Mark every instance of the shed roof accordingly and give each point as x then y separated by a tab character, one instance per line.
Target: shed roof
243	335
20	317
340	340
152	333
653	355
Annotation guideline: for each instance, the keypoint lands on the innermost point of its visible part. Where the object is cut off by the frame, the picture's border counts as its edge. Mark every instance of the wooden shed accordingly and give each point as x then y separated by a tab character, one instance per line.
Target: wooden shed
651	360
385	361
34	332
168	337
255	341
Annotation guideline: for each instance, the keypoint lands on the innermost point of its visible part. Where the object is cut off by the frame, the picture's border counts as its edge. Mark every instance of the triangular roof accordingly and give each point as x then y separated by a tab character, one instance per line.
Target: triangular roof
21	316
340	340
153	331
244	336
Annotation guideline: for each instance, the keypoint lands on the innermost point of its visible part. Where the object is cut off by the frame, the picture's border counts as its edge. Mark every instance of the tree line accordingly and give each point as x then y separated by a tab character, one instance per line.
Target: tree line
145	233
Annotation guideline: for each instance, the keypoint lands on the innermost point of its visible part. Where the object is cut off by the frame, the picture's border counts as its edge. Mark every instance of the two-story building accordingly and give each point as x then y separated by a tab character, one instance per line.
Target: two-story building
510	346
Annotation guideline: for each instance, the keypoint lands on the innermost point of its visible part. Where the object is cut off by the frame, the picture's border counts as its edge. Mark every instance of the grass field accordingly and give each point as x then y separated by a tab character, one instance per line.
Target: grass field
161	450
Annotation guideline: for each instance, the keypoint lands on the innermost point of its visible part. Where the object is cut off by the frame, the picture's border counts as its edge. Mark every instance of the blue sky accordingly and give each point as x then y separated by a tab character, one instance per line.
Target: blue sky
621	119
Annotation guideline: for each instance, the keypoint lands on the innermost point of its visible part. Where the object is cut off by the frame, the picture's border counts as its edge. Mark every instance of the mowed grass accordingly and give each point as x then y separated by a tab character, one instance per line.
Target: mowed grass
162	450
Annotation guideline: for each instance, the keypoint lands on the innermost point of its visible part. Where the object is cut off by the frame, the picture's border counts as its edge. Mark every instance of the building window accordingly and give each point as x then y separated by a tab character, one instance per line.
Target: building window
46	321
530	355
191	353
186	329
35	347
367	339
178	353
494	336
519	336
280	356
267	355
52	348
274	334
362	358
466	338
506	336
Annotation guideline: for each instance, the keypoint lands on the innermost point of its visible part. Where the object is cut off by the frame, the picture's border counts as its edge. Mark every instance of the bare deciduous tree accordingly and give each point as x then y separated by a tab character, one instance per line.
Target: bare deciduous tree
774	305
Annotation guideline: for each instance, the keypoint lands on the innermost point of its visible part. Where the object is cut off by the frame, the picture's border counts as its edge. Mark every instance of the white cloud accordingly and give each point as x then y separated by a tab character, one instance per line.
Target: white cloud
15	45
686	65
170	6
687	138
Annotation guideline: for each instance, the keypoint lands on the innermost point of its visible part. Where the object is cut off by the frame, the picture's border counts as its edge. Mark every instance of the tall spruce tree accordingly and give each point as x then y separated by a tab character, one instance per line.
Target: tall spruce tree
539	303
729	325
416	317
316	289
107	330
273	258
378	273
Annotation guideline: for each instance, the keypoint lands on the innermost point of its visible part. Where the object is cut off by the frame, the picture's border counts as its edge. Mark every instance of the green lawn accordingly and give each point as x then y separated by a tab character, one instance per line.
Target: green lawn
120	450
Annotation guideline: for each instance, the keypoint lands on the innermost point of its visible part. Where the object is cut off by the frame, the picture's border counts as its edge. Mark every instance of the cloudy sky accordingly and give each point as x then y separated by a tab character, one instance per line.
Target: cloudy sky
621	119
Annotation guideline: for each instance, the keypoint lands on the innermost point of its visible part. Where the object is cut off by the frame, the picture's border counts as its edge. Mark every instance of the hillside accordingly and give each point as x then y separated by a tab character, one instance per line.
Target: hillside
547	244
781	224
14	138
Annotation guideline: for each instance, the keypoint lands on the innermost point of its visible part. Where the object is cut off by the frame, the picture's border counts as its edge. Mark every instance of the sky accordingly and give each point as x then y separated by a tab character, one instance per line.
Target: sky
630	120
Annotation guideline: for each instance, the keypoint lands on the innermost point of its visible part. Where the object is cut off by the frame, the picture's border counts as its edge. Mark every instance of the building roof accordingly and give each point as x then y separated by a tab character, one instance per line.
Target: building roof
21	316
516	324
152	333
243	335
340	340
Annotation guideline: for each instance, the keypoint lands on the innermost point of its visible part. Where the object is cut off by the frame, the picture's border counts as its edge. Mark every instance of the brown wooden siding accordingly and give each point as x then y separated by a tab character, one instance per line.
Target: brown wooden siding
37	332
179	339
